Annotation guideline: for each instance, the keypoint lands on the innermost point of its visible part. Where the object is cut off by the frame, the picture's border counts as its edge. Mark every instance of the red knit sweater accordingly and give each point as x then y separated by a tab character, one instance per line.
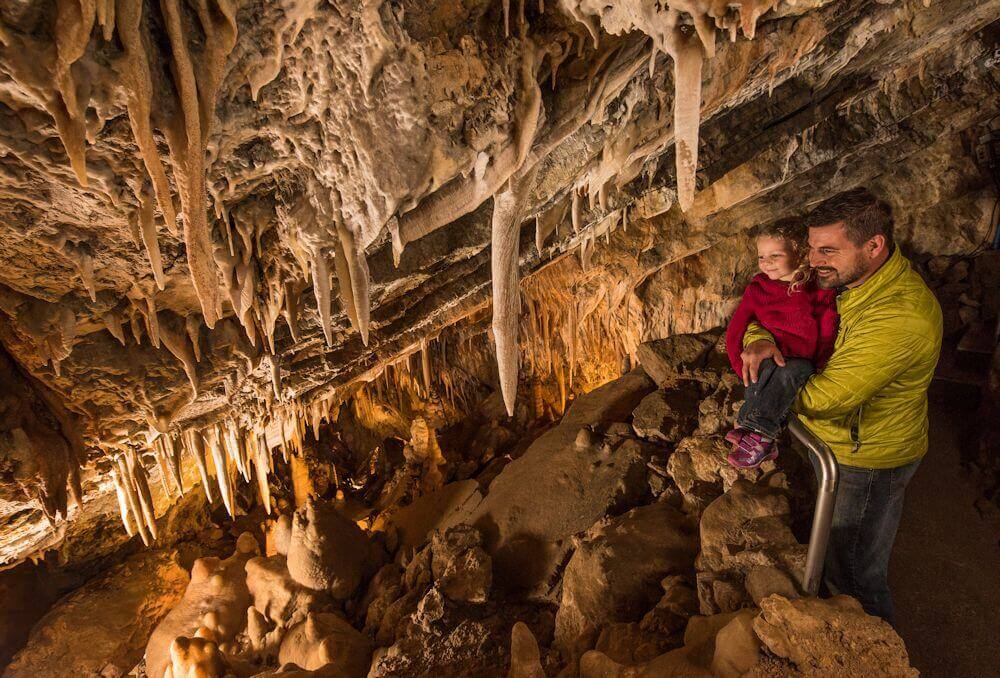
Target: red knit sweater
804	323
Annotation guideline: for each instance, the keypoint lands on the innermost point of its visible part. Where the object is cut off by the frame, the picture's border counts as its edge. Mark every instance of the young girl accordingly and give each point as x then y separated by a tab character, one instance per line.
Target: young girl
784	299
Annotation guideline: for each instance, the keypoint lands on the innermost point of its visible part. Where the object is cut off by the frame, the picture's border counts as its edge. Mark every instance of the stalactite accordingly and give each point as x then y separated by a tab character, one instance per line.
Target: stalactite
173	456
188	135
139	89
687	54
113	323
262	466
291	310
147	229
221	468
161	461
508	212
132	499
425	365
193	327
196	444
141	480
321	288
172	331
123	506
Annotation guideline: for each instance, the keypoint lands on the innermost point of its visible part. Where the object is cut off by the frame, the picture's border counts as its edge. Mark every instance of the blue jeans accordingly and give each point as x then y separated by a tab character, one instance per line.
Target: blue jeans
865	519
769	401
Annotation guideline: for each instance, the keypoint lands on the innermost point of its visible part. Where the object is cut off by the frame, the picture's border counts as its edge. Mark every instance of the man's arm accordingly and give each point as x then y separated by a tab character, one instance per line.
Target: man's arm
872	355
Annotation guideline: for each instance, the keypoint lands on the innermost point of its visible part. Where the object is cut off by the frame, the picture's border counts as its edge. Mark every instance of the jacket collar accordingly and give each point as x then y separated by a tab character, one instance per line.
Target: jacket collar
895	266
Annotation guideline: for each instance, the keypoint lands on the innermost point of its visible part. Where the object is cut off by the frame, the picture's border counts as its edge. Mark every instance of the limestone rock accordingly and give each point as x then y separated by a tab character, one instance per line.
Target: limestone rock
699	468
462	570
195	657
679	356
102	627
525	659
213	607
277	596
327	551
562	484
326	638
831	637
667	415
615	572
746	528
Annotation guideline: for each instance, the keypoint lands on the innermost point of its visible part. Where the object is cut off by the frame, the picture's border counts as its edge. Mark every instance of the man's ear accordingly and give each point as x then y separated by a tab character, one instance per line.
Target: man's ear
876	245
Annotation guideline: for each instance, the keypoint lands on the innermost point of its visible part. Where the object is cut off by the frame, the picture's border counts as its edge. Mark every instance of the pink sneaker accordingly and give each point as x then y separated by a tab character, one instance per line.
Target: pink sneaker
752	450
734	436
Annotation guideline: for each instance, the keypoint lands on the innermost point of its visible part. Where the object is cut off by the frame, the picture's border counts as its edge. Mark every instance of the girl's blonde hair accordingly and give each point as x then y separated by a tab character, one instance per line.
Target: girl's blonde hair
795	235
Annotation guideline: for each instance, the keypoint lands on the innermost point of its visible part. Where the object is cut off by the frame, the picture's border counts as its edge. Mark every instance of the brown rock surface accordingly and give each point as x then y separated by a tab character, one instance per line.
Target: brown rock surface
102	627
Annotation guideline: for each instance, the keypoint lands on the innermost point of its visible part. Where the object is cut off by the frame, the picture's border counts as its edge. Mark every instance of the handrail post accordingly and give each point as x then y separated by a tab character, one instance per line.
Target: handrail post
826	496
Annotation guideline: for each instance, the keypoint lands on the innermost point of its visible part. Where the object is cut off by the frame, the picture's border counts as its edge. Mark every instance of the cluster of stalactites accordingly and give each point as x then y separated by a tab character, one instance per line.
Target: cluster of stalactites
688	43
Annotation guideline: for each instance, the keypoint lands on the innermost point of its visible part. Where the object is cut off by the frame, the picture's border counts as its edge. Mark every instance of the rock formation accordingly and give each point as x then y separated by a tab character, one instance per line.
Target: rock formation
426	299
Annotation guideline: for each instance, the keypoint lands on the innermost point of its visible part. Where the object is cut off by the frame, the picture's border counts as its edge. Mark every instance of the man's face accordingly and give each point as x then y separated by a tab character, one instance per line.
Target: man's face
838	262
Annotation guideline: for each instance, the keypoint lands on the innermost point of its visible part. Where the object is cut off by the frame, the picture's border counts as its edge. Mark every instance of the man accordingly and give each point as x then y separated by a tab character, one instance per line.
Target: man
870	402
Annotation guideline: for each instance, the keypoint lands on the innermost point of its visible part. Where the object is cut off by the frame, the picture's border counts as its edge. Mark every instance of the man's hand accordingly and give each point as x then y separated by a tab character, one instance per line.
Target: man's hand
754	354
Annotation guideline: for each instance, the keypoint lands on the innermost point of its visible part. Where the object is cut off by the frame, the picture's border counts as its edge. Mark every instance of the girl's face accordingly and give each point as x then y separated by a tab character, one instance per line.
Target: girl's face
774	258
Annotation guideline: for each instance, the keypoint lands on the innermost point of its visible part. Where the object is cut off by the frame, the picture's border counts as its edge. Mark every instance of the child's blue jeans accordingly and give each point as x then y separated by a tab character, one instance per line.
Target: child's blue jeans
769	401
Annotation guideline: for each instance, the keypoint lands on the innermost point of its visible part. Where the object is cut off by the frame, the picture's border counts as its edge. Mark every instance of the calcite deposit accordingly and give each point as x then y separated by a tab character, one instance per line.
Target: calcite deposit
394	322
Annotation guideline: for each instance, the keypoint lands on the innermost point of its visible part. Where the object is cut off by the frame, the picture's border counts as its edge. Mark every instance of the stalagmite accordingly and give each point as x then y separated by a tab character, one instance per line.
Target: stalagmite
197	446
508	212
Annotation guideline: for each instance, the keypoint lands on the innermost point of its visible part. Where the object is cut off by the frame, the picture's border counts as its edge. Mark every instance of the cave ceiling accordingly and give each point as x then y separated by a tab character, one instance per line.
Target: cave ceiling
219	209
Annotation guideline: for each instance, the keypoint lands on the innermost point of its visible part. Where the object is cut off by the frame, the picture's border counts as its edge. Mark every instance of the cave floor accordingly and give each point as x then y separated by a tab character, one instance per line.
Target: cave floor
945	572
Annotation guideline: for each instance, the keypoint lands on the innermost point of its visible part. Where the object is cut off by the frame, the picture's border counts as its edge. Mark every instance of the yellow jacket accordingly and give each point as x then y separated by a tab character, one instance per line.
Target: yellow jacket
870	403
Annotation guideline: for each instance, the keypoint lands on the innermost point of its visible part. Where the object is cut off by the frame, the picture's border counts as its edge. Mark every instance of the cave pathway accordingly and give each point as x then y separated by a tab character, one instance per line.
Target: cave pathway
945	571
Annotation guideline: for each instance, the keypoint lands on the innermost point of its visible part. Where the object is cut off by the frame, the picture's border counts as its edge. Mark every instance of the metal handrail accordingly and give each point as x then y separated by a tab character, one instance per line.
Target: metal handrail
826	496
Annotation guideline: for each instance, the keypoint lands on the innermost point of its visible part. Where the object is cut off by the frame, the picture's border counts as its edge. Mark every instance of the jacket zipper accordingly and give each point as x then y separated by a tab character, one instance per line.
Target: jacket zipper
856	430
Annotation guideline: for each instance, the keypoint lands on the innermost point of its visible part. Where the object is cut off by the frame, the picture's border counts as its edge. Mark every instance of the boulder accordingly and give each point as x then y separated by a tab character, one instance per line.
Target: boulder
323	639
436	510
327	551
718	646
615	572
701	472
717	412
102	627
668	416
461	568
525	658
831	637
746	528
680	356
214	606
566	480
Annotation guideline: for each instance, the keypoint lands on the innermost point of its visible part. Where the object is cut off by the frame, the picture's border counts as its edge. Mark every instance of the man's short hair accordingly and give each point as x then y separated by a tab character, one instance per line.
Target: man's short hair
864	216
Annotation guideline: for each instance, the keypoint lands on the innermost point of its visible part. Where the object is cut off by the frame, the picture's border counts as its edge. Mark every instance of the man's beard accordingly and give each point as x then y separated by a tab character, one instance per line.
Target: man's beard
841	278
